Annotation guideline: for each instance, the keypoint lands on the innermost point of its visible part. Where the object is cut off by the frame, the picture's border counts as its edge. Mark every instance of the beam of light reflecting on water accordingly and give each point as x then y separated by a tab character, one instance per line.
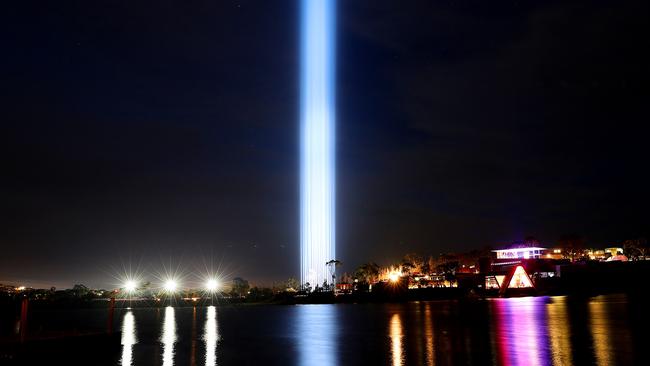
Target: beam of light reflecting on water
610	330
429	335
559	332
211	337
168	337
396	335
129	338
317	334
599	326
193	347
521	331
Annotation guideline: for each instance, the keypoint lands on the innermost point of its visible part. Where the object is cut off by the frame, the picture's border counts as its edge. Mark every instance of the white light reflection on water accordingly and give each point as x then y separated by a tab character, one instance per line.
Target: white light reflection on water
211	337
129	338
317	333
168	337
396	335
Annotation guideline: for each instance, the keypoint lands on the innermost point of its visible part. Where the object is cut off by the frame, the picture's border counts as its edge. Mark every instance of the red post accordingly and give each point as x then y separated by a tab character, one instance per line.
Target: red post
23	320
111	311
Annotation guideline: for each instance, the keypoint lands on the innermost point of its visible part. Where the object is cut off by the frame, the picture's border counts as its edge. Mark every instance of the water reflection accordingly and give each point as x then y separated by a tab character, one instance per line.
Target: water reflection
429	335
211	337
611	340
396	335
599	325
521	331
517	331
129	338
559	332
317	333
193	348
168	337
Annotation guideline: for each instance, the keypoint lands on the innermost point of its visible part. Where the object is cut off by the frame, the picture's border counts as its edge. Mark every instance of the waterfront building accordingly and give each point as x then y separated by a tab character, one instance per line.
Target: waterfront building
520	252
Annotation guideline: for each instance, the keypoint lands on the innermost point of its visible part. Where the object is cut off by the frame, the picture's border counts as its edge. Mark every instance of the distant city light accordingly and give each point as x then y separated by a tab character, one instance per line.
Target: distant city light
170	286
212	285
20	288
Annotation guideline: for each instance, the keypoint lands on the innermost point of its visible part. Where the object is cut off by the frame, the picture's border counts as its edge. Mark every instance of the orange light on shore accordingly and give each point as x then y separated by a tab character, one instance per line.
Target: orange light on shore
394	277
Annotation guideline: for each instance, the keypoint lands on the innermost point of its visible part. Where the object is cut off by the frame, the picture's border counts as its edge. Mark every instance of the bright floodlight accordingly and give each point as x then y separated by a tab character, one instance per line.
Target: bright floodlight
393	277
317	157
212	285
170	286
130	286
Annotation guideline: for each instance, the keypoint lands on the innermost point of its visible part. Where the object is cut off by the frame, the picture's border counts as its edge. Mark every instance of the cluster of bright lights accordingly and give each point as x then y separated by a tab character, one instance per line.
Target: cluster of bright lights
317	155
171	286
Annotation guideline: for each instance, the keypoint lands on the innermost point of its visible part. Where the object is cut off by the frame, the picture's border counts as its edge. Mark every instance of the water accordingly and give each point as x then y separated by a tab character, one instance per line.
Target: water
606	330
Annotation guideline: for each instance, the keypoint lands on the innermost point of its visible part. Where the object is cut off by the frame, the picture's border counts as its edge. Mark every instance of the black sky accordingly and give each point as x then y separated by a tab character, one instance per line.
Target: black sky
144	131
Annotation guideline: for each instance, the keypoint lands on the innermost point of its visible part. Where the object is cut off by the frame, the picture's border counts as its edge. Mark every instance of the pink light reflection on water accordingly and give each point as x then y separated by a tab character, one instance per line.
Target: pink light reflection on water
521	331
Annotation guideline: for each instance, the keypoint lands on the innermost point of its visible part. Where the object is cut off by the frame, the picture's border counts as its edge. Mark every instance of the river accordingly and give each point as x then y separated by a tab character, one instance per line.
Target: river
603	330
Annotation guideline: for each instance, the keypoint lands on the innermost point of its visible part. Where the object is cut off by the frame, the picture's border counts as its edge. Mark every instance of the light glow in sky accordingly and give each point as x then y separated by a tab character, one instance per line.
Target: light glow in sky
317	129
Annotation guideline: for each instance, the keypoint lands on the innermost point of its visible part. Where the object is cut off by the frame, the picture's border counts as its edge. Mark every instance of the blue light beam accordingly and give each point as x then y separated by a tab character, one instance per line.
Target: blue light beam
317	130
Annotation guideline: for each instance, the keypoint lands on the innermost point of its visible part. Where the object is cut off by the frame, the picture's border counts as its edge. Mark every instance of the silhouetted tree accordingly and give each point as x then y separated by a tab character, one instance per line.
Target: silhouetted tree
239	287
573	246
80	290
636	248
292	283
367	272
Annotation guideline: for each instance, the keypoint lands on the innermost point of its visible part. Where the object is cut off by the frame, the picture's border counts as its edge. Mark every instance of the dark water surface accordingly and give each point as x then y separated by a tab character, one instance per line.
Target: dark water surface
605	330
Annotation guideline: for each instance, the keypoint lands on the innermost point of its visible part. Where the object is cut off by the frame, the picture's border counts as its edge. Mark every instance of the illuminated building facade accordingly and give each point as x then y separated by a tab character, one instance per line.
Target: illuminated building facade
317	136
520	253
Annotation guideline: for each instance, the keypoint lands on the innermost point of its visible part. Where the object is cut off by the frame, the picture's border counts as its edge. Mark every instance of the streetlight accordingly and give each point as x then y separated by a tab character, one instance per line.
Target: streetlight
212	285
130	286
170	286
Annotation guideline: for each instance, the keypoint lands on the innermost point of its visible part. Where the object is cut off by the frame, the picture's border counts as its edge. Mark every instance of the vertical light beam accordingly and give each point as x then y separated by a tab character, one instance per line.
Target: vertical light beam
317	155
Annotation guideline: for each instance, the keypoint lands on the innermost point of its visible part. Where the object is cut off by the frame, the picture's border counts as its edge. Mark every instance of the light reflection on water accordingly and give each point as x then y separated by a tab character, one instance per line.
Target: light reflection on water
193	337
429	335
211	337
129	338
559	332
168	337
396	336
521	331
599	330
518	331
611	344
317	332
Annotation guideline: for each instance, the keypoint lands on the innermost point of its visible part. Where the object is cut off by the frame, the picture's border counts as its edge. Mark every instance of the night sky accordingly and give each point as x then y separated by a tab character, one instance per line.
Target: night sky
150	132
